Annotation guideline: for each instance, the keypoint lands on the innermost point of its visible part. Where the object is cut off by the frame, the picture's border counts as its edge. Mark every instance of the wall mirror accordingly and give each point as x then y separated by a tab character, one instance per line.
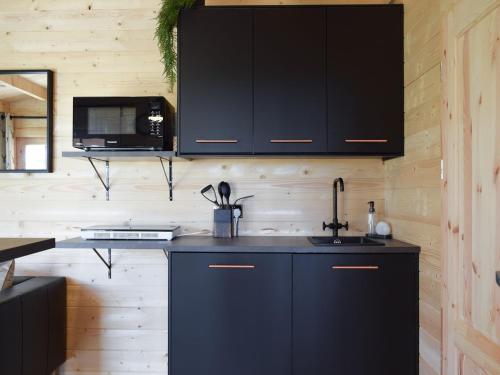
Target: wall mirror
26	121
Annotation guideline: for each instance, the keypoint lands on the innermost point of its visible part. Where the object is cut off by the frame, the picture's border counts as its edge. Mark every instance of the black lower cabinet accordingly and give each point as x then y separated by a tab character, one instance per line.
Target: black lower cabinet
230	314
293	314
355	314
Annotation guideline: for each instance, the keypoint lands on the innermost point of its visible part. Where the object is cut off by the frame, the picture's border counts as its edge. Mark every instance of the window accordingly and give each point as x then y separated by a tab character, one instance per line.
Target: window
35	157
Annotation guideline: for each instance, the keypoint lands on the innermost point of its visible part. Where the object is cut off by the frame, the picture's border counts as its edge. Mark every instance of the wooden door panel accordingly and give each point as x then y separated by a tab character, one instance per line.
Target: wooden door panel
482	148
471	185
471	368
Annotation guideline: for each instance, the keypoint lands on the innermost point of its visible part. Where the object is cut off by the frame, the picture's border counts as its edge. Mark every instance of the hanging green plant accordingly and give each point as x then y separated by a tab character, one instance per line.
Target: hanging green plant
166	35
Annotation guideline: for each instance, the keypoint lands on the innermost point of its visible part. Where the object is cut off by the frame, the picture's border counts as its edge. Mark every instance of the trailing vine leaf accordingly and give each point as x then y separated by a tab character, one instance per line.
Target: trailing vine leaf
167	36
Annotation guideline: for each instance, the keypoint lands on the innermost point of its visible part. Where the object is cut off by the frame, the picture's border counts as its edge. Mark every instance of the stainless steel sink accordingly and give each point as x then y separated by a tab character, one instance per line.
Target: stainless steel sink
344	241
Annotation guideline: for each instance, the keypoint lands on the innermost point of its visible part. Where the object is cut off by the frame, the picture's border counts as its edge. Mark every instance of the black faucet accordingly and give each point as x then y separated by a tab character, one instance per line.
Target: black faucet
335	225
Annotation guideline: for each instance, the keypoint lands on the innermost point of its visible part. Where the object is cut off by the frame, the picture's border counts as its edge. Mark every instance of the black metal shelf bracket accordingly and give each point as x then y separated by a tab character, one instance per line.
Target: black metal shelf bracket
104	183
108	263
104	177
165	251
169	176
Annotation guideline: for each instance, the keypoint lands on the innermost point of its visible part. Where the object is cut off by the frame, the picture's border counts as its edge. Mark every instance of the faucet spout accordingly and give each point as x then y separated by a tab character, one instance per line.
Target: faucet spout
339	181
335	225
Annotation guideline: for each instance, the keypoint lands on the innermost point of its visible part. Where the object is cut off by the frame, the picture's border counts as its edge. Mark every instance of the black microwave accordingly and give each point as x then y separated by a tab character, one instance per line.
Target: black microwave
133	123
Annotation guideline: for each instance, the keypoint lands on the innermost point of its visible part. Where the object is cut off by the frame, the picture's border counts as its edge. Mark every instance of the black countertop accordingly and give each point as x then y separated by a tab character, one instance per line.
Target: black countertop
11	248
249	244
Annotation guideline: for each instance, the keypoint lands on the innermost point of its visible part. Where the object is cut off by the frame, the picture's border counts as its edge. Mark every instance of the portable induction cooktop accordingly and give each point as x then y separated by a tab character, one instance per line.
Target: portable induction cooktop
117	232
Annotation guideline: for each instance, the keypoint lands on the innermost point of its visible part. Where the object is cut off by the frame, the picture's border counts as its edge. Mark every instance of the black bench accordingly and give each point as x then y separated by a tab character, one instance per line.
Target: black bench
33	326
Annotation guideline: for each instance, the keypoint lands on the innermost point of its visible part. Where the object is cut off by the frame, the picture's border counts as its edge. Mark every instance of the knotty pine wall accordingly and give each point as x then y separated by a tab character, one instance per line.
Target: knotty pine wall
106	47
412	183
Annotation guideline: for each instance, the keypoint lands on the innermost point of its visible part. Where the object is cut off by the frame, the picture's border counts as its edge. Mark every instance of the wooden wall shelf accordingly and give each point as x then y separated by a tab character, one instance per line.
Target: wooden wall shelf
106	156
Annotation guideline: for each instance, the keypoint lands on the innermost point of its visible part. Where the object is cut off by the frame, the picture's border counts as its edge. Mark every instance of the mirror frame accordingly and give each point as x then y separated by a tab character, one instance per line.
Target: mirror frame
50	119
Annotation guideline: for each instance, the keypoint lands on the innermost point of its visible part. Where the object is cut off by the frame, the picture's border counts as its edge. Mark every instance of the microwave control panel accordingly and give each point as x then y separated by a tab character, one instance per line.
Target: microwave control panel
156	120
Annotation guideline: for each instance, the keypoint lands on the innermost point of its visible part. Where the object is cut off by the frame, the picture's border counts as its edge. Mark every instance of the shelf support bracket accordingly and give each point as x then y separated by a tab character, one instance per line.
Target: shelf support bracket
105	184
165	251
108	263
169	176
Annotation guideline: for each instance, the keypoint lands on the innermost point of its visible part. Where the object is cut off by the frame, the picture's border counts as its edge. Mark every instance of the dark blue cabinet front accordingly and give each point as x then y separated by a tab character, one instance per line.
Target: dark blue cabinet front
215	81
355	314
293	314
230	314
294	80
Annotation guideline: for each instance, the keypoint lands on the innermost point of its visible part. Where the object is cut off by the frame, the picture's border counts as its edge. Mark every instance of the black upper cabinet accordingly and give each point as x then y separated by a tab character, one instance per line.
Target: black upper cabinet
215	81
230	314
355	314
365	80
289	80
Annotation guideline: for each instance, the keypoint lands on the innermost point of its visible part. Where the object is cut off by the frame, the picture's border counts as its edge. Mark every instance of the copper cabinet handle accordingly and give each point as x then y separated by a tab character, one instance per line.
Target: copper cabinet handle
355	267
232	266
291	140
216	141
366	140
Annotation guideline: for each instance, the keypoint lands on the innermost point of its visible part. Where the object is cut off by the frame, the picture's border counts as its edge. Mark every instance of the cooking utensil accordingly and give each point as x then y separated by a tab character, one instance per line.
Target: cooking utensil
245	197
207	188
236	217
224	191
221	193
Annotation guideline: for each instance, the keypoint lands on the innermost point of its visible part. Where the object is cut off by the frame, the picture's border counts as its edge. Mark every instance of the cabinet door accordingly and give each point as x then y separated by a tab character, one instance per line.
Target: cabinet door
289	91
355	314
230	314
365	80
215	81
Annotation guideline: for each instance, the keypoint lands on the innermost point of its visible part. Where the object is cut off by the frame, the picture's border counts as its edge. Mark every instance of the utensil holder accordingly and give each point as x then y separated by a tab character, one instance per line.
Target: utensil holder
223	223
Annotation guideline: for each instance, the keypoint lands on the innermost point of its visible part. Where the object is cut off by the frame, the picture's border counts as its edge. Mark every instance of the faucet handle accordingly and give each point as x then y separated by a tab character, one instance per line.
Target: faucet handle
324	226
346	225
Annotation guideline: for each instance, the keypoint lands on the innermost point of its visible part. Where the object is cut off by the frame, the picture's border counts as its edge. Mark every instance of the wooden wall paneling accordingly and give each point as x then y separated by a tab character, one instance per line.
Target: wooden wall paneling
106	47
423	60
116	318
74	41
412	183
430	350
127	361
73	20
425	368
85	61
431	319
119	296
423	117
427	86
120	339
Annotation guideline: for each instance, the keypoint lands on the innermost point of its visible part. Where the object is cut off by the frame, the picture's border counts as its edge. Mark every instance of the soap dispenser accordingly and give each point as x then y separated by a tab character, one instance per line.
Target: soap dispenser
372	221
